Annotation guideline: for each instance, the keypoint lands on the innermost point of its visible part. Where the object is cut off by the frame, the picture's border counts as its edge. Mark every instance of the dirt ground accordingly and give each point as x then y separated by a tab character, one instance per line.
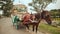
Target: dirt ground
6	27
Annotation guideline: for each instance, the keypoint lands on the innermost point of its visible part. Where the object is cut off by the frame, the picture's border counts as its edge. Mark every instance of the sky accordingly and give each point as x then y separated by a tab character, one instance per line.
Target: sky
54	5
22	2
49	7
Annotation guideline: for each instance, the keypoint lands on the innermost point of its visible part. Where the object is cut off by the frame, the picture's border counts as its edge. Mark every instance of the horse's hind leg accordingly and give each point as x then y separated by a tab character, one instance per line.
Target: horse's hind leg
27	26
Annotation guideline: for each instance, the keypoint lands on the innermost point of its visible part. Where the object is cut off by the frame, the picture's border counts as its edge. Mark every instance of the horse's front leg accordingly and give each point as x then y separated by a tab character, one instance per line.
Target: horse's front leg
37	28
33	27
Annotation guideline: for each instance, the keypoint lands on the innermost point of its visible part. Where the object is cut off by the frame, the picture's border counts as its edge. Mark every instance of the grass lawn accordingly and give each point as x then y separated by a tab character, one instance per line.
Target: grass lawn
49	28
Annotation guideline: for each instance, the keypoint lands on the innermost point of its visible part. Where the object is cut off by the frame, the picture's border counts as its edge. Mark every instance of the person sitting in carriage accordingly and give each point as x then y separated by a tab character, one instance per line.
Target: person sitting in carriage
15	18
28	18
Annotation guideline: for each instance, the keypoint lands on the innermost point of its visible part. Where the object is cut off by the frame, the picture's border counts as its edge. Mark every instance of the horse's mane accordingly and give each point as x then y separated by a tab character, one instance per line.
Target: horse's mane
40	14
37	15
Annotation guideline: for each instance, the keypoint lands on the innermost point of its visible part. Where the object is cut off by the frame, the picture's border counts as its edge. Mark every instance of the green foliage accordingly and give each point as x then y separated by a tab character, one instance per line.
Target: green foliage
6	7
55	13
30	4
39	4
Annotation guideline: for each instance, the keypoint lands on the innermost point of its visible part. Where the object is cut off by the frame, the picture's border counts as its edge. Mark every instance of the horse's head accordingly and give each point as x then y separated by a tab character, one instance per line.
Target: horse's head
46	16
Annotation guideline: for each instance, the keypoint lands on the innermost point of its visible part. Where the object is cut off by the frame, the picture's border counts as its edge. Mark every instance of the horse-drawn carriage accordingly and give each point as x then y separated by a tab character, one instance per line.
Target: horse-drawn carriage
38	17
17	18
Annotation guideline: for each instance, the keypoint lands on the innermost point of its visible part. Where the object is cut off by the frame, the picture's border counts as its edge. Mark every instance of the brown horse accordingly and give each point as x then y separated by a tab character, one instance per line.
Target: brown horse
38	17
43	15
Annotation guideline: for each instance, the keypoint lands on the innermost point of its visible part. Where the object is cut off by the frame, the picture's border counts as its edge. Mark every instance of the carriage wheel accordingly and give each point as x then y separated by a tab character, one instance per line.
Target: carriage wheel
17	26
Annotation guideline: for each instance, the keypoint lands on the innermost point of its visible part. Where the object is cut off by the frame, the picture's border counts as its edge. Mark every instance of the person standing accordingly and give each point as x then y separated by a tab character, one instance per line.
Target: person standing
27	20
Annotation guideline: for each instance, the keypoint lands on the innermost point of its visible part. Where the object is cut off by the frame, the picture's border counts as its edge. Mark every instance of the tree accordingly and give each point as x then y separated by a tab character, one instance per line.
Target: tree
39	5
6	7
55	12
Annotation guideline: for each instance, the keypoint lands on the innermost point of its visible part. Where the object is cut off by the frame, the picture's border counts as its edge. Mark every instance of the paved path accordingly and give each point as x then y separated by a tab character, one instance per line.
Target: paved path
7	28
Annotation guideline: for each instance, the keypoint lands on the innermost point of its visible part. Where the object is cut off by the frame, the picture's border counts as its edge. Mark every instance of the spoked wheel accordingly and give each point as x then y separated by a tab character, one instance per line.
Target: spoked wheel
17	27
